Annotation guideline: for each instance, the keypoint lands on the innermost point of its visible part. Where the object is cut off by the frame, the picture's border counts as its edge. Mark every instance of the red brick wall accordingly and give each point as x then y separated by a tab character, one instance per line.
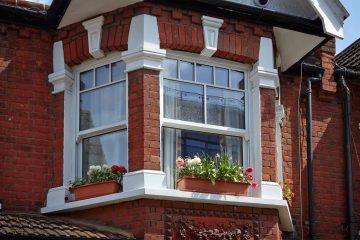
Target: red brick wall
153	219
355	120
27	112
329	162
144	120
268	134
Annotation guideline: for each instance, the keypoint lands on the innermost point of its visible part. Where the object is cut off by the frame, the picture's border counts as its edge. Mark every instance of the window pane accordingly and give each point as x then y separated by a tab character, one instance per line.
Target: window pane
102	106
110	149
101	75
170	68
186	71
237	80
225	107
221	77
117	71
204	74
177	142
86	80
183	101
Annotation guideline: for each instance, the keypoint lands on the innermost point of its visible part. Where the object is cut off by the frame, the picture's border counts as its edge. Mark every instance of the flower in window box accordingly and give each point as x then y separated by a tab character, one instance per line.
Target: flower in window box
213	175
101	180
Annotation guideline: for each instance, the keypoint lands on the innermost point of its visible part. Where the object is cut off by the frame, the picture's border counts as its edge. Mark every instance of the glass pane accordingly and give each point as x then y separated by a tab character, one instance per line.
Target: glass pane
103	106
170	68
117	71
177	142
110	149
225	107
221	77
183	101
186	71
101	75
237	80
86	80
204	74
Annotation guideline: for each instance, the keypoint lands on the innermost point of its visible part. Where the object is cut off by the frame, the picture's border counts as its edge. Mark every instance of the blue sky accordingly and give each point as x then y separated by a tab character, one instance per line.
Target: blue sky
351	27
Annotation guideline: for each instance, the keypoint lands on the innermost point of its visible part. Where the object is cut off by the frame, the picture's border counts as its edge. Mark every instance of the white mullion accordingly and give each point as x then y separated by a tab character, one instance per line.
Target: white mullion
206	128
110	72
205	103
102	86
101	130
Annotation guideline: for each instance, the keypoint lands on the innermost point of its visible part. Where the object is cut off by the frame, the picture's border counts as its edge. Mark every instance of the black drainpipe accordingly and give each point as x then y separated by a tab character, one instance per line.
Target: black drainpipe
343	73
318	73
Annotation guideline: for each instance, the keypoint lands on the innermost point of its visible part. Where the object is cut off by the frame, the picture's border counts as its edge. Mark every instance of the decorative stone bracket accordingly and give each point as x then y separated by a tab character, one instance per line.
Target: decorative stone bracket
211	32
94	29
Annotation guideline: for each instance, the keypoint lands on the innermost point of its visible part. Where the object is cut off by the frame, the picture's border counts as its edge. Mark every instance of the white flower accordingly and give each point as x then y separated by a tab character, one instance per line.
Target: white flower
105	167
188	161
196	160
217	155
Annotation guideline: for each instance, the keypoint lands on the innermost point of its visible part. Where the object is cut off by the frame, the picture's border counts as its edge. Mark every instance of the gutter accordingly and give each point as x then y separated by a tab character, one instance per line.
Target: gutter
49	19
255	14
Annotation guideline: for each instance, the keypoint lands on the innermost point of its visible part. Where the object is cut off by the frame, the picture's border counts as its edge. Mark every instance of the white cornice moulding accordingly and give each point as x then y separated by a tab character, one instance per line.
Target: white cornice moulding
143	45
94	29
62	77
211	33
264	73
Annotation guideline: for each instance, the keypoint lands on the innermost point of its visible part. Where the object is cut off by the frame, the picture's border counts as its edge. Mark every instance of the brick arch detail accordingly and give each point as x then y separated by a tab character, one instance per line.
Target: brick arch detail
179	29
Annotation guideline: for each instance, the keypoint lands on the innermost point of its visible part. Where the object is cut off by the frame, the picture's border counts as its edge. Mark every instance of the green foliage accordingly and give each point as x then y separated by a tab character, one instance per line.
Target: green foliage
214	168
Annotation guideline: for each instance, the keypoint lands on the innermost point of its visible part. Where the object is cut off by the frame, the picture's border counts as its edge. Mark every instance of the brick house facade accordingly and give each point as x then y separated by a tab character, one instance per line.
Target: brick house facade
42	141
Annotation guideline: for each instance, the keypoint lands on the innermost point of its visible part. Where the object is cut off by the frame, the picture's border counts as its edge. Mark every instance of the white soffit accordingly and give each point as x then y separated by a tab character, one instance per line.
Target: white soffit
293	45
332	14
80	10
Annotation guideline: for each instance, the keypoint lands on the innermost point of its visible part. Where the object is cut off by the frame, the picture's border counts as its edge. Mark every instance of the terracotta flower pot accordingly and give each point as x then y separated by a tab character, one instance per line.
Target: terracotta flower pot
95	190
205	186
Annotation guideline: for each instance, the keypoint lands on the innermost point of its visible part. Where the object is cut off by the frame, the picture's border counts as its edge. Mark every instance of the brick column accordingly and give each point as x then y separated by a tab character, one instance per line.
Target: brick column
268	135
144	120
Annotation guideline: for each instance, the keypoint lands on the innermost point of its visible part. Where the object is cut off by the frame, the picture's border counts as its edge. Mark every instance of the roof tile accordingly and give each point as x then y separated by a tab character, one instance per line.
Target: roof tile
12	225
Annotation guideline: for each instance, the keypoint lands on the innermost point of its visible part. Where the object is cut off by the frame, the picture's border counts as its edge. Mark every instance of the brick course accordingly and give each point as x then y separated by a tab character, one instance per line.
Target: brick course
27	112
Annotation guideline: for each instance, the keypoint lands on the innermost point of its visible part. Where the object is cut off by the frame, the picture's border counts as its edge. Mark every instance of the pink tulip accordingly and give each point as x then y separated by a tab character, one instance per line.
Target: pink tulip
249	170
254	185
250	177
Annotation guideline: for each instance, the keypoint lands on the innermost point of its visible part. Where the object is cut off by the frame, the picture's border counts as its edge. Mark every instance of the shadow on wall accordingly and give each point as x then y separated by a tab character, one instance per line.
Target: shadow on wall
329	160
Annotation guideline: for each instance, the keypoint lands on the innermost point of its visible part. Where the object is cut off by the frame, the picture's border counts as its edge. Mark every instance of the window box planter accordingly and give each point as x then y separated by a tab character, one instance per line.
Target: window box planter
94	190
191	184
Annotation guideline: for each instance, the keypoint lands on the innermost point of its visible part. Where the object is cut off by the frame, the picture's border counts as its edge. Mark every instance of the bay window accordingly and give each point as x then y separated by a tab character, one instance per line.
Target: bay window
102	117
203	111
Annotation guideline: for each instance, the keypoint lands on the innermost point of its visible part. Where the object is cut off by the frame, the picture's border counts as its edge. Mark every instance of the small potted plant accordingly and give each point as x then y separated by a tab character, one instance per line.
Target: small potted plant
101	180
213	175
288	194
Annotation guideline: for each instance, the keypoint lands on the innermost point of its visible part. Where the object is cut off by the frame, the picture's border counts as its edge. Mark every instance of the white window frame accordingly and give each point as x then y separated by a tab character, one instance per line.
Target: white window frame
96	131
208	128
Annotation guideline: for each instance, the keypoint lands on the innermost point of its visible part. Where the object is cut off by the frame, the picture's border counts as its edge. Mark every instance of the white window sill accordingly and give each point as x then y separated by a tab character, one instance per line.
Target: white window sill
151	184
176	195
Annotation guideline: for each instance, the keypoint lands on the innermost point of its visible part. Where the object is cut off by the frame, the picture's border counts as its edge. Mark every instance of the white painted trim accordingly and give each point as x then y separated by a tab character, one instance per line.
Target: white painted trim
144	179
94	29
332	15
280	114
175	195
271	190
211	34
143	44
62	78
207	128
